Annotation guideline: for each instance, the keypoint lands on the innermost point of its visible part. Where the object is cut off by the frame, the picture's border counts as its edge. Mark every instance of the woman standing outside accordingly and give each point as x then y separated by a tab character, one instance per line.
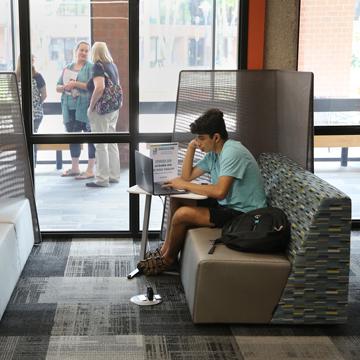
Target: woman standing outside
107	155
74	103
38	92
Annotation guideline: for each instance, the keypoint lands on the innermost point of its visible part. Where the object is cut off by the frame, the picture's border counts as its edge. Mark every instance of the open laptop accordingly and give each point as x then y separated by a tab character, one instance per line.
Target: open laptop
144	173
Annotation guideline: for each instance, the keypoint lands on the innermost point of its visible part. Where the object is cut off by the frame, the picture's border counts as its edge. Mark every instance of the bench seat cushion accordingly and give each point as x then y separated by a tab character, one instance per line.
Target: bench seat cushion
230	286
9	264
17	212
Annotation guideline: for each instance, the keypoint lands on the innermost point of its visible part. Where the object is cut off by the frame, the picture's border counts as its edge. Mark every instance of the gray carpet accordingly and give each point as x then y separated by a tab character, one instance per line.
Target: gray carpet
72	302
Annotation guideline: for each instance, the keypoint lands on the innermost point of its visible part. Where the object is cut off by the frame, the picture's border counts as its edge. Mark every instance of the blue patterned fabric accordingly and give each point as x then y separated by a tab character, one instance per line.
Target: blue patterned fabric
319	251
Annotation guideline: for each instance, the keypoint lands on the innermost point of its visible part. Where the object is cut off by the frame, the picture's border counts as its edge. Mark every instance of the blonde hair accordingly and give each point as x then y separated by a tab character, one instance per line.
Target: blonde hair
18	68
100	52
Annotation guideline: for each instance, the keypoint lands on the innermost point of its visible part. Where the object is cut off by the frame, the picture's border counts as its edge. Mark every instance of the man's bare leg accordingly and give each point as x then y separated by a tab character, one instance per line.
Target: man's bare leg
183	218
175	203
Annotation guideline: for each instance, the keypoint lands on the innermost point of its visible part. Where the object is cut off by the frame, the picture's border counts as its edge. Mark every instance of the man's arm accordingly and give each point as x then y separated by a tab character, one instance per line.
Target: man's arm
189	172
217	191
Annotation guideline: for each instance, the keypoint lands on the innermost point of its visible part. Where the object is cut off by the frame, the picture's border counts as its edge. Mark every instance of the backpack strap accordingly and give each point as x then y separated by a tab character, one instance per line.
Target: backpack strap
106	75
213	244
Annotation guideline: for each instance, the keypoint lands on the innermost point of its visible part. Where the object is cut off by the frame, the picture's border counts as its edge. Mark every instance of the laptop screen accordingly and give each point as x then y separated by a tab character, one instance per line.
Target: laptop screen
144	175
144	172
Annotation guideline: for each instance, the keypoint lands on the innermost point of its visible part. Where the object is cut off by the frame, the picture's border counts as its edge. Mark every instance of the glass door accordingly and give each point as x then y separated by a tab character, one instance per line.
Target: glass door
74	149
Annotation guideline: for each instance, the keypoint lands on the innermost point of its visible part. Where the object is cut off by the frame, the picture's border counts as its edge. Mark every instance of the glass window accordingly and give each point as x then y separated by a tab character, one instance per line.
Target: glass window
227	20
169	32
6	37
56	29
65	203
329	46
175	36
56	26
341	167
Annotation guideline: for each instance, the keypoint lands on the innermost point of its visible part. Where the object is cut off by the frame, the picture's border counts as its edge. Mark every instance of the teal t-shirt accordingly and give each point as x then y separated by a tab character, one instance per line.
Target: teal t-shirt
247	191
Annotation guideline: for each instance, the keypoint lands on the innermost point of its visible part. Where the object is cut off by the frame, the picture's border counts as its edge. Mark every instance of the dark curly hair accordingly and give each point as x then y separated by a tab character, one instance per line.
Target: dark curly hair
210	123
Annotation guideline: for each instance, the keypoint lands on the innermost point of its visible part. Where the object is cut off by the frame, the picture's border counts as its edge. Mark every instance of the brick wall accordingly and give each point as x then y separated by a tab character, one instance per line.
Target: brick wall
325	44
110	23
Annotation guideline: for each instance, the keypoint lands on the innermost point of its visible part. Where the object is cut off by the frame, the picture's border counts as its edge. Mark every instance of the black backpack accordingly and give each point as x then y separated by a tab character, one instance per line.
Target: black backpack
264	230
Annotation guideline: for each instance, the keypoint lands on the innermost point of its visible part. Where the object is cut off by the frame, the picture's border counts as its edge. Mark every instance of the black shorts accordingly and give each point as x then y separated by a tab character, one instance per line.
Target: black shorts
219	214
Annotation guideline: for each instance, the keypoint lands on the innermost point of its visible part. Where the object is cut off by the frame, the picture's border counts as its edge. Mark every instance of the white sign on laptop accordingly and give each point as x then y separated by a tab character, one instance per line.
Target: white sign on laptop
165	160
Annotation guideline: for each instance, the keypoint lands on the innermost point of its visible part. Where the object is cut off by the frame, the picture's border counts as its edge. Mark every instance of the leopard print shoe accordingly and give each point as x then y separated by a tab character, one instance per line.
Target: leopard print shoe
153	265
153	253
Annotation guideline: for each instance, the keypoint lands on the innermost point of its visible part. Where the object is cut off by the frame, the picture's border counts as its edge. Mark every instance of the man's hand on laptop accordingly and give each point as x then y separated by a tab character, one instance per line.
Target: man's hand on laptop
176	183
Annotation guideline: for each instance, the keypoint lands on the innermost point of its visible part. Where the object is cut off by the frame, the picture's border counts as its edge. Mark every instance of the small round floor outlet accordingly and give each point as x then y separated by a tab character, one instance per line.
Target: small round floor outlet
142	300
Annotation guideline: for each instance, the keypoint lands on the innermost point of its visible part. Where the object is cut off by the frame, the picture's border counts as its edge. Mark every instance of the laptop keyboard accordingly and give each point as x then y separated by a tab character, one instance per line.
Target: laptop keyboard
158	189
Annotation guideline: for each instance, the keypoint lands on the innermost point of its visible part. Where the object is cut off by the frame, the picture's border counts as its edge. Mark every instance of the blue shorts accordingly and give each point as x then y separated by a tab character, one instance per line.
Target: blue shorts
219	214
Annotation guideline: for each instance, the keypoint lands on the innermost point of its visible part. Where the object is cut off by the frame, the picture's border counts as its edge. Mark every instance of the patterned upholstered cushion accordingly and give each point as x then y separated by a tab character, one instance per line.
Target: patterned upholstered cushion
319	250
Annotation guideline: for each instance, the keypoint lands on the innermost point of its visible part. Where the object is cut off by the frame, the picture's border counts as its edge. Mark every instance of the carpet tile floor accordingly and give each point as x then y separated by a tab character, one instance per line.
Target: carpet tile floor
72	302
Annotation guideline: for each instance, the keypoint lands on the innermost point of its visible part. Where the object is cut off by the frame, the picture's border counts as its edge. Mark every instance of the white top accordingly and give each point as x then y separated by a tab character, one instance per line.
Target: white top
189	195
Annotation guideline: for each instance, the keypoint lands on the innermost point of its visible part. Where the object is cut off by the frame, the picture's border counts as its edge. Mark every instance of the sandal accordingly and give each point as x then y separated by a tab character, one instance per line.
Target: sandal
84	176
153	265
153	253
69	172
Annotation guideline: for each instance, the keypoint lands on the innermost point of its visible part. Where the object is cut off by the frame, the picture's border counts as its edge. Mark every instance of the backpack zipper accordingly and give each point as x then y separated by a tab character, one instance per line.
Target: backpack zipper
256	221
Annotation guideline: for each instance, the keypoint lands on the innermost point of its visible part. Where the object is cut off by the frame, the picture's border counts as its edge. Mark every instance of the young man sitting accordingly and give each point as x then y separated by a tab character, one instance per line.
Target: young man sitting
236	186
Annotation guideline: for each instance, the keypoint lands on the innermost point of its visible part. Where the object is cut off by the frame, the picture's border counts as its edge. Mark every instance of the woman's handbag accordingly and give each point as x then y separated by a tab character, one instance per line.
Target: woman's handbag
111	98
